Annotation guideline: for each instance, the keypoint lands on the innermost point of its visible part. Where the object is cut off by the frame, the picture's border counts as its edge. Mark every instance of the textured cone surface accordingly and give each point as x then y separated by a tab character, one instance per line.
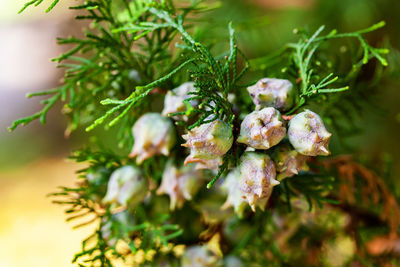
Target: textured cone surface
180	184
126	186
308	135
154	135
207	143
173	101
262	129
235	197
271	92
257	178
289	162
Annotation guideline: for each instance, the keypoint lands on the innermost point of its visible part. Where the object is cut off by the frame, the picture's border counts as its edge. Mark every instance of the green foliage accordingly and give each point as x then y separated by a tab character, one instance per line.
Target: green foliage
214	78
109	71
36	3
100	248
312	187
308	71
129	57
112	65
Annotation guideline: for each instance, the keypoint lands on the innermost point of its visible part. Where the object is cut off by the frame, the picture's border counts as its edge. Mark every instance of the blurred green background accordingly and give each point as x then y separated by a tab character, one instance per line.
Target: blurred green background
31	158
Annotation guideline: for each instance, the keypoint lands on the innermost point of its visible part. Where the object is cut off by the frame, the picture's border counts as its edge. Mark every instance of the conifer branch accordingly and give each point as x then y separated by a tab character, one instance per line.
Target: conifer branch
304	51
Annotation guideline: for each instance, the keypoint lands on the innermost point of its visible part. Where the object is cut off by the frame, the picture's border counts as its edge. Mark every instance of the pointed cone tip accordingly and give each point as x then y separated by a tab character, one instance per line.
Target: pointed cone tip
165	150
253	207
185	145
274	182
324	150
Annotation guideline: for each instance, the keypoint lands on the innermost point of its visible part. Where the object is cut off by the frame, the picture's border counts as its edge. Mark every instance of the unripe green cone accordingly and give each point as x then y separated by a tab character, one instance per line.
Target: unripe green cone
173	101
126	187
262	129
154	135
208	143
257	178
234	194
271	92
288	162
180	184
308	135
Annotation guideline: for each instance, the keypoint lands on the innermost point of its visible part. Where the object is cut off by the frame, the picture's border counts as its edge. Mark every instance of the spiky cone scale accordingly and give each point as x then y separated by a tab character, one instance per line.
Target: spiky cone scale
257	178
180	184
271	92
126	187
208	143
173	101
308	135
234	194
154	135
289	162
210	164
262	129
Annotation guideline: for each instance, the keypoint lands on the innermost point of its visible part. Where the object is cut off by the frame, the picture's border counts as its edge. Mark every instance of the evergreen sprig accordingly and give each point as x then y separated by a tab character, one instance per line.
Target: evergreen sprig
154	231
311	186
300	60
126	58
129	102
95	252
213	79
36	3
113	64
305	49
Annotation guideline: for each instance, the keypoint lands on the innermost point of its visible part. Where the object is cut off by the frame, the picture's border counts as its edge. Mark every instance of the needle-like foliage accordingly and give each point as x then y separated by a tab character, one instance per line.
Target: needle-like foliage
135	52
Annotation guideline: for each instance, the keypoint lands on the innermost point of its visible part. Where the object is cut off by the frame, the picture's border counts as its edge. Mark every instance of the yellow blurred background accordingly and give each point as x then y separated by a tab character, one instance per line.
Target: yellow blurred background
33	231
